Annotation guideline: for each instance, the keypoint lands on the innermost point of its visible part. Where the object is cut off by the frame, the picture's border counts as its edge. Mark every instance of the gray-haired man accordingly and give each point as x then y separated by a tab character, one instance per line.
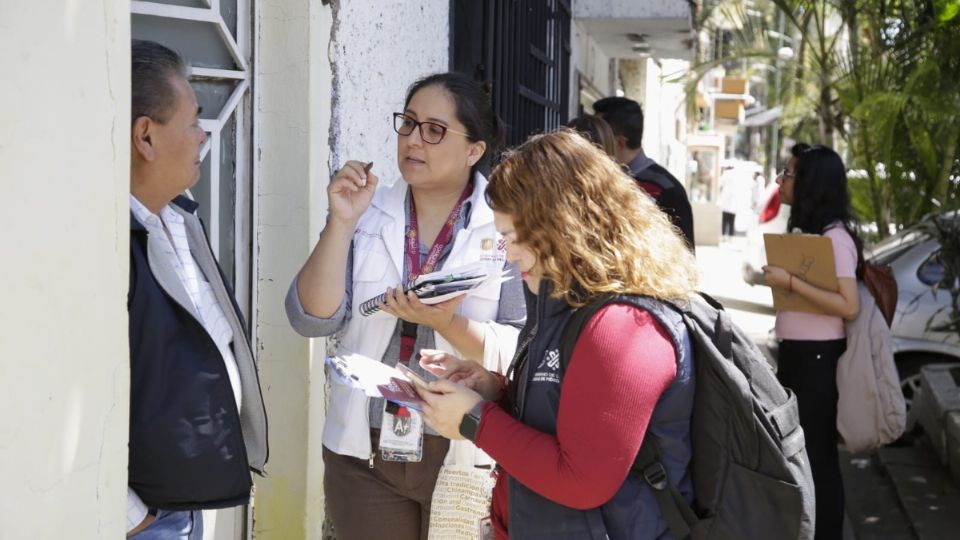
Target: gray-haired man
197	421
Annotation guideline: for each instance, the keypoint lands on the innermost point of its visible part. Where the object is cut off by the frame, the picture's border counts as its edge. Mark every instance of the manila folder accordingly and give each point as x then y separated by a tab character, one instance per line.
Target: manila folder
808	257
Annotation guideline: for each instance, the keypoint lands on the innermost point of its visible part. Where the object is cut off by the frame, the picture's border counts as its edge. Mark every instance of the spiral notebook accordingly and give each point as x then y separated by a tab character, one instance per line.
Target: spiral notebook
443	285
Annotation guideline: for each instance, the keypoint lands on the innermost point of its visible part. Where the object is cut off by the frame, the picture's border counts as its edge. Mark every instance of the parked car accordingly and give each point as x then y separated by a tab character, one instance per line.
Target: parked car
914	256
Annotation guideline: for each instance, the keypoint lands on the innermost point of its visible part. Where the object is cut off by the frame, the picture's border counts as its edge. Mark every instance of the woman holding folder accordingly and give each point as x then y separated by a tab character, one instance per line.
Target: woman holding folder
380	463
814	183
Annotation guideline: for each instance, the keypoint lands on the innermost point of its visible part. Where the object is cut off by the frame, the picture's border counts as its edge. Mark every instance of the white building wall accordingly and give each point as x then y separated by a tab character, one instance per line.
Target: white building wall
379	48
64	174
589	60
671	115
664	109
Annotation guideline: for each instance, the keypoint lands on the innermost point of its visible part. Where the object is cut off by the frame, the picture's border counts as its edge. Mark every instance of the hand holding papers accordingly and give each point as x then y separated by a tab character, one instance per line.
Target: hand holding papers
808	257
360	372
401	392
443	285
376	379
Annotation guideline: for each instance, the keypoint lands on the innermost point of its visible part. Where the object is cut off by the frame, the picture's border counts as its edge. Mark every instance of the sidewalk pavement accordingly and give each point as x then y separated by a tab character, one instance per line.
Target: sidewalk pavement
750	306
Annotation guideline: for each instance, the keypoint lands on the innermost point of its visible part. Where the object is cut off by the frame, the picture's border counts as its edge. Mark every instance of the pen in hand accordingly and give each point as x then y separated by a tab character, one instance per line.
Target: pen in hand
366	169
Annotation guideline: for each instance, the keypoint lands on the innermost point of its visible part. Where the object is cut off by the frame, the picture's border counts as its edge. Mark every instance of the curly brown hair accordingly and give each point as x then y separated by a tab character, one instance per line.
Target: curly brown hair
593	230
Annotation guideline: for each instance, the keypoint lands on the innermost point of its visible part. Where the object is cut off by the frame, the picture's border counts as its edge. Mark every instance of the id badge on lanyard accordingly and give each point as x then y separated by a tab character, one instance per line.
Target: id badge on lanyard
401	435
401	430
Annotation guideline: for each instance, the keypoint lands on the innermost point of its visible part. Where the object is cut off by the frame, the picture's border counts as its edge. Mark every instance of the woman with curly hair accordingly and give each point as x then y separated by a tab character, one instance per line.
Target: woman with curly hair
815	185
577	227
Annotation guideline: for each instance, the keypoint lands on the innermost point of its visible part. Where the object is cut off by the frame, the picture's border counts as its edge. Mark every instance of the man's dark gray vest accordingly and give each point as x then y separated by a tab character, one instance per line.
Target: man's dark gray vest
632	513
186	448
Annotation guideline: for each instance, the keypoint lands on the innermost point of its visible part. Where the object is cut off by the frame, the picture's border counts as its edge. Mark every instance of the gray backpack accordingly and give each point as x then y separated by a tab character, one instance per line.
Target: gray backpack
751	477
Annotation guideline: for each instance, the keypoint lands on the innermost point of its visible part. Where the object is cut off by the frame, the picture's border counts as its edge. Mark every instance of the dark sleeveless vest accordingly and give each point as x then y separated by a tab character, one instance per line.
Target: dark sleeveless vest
632	513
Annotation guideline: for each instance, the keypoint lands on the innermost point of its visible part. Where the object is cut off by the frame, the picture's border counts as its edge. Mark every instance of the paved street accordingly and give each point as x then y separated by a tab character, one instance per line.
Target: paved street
751	307
897	493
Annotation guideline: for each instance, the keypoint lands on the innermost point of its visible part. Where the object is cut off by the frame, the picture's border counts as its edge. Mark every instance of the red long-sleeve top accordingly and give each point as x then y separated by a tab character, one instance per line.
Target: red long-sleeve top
622	362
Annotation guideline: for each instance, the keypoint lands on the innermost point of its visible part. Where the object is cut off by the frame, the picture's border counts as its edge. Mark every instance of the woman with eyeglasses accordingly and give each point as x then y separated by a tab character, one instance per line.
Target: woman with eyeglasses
815	185
381	462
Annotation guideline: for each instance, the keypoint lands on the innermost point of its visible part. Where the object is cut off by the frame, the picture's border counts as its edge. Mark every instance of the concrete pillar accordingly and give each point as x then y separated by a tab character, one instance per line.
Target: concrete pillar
292	104
64	172
633	75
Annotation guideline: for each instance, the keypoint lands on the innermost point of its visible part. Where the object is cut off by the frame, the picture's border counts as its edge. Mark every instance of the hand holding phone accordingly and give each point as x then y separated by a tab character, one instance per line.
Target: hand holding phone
402	393
412	376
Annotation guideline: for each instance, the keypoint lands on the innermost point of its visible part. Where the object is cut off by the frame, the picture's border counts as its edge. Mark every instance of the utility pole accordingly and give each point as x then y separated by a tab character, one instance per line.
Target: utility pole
775	126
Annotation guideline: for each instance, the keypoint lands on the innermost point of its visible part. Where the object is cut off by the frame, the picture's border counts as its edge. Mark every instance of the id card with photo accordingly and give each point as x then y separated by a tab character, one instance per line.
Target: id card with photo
401	436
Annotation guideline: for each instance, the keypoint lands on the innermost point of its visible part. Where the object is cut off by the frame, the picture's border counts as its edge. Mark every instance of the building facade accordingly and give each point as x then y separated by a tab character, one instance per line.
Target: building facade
290	90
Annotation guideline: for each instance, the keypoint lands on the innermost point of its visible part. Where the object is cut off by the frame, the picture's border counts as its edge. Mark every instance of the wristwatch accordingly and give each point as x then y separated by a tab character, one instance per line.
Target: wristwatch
471	421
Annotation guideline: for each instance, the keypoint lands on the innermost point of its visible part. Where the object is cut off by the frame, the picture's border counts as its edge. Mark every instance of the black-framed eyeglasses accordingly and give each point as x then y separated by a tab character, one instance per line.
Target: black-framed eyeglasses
430	132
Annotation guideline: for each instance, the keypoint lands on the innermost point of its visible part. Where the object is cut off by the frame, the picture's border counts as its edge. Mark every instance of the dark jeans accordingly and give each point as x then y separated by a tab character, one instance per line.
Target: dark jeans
809	368
729	218
390	500
185	525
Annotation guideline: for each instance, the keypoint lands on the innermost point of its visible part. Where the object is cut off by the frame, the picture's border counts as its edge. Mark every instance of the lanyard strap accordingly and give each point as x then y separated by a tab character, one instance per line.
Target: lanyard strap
408	331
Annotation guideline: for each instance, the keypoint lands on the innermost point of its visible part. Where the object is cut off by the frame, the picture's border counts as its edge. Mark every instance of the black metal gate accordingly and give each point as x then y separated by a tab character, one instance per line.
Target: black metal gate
521	48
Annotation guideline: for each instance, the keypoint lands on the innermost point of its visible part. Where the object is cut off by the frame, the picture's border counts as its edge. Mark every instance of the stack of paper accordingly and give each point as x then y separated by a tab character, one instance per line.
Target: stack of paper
376	379
444	285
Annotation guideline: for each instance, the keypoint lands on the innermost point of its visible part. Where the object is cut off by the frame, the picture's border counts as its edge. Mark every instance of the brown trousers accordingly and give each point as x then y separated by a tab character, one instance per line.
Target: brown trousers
390	500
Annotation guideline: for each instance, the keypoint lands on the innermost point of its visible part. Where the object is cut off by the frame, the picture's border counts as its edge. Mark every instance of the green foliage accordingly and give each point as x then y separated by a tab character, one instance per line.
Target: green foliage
880	78
949	9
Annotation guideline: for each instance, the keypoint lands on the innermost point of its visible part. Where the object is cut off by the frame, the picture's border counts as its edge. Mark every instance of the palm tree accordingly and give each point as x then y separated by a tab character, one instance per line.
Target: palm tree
879	78
903	98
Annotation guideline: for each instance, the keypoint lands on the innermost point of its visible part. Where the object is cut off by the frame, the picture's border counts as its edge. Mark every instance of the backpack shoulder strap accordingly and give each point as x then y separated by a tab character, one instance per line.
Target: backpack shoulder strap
675	510
575	325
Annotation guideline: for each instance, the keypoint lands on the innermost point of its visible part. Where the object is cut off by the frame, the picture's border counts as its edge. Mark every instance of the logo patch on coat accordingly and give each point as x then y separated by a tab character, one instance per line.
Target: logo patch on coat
490	255
549	368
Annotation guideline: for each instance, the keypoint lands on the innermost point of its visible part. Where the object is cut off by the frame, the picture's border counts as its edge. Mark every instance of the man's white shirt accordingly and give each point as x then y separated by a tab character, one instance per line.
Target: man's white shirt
201	294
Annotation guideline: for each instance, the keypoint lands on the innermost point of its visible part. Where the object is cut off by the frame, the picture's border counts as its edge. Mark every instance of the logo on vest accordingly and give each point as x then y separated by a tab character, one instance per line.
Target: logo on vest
489	254
549	368
367	234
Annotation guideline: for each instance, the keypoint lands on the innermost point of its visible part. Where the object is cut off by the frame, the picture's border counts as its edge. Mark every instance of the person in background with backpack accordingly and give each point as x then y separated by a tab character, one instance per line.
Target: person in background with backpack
565	436
815	184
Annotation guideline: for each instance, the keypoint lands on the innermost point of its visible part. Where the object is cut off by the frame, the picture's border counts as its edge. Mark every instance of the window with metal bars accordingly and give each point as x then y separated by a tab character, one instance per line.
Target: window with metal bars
521	49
